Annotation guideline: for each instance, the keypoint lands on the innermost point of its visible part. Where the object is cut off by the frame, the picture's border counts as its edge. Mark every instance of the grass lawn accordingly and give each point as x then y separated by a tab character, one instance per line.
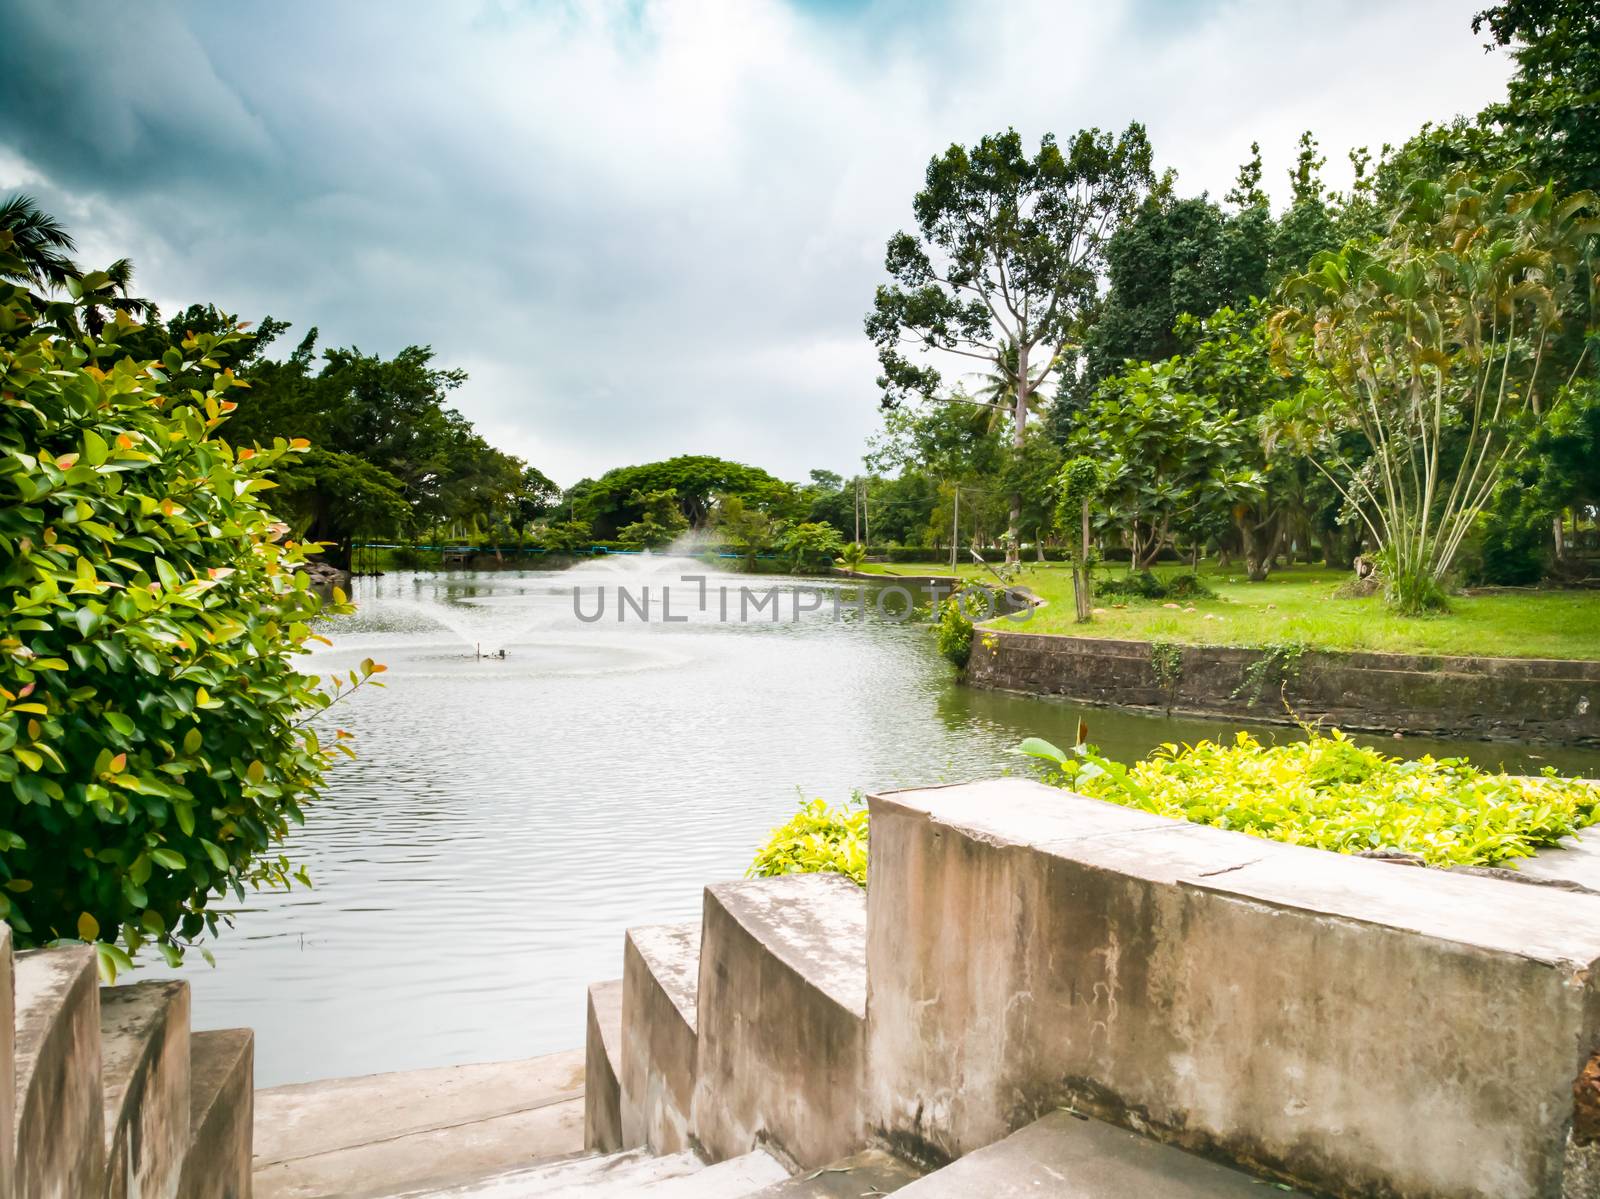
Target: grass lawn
1297	605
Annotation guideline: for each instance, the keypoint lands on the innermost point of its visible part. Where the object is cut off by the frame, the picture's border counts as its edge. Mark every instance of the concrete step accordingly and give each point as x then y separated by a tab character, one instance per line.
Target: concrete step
870	1172
782	1013
602	1070
1069	1157
589	1175
221	1115
59	1125
8	1067
735	1178
620	1175
388	1133
144	1069
660	982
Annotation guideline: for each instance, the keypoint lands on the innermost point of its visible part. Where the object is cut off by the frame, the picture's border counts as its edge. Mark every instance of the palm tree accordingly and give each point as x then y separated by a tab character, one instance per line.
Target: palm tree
113	295
39	240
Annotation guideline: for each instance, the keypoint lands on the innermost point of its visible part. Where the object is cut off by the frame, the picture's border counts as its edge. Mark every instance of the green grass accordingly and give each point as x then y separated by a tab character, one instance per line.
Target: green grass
1297	605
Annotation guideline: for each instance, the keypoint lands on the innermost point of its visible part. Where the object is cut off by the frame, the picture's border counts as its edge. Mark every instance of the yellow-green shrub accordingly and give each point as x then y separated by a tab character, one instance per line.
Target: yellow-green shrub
1331	793
818	839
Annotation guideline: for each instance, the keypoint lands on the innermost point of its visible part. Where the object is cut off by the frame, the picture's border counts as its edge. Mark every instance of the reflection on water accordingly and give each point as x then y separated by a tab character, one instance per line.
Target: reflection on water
508	819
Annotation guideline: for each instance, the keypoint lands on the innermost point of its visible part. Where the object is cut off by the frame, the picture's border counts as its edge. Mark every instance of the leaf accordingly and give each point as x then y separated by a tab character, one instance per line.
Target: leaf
88	927
169	858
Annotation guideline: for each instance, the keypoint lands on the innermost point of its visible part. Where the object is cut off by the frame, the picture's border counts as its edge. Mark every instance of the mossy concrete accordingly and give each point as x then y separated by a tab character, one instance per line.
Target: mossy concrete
1524	699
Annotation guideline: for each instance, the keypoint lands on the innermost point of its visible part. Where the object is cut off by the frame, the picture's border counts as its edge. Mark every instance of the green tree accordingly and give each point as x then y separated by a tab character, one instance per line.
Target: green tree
154	749
1004	267
39	245
1551	113
1432	344
661	520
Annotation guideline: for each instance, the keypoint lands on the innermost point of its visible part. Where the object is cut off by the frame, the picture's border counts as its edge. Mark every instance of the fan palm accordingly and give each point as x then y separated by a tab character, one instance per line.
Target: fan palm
38	241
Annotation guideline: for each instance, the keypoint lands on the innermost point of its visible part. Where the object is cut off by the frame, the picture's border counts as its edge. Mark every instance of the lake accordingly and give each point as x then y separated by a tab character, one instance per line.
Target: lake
508	818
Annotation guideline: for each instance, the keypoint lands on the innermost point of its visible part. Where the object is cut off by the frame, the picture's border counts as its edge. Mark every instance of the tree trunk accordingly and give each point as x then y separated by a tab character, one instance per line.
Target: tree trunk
1259	548
1019	429
1082	595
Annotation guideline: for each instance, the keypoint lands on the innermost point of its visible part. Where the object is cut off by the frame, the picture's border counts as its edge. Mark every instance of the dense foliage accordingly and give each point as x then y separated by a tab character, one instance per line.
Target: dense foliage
1331	793
818	839
153	747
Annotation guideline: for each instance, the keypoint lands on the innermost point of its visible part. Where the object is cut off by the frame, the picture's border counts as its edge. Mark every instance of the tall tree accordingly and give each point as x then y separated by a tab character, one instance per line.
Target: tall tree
40	246
1004	267
1552	107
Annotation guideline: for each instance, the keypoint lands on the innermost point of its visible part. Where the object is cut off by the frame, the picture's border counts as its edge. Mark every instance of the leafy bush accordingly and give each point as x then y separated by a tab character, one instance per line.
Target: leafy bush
152	742
1145	584
1330	793
954	633
818	840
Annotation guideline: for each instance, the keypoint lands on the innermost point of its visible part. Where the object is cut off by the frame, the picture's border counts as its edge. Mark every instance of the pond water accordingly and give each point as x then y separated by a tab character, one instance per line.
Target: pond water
509	817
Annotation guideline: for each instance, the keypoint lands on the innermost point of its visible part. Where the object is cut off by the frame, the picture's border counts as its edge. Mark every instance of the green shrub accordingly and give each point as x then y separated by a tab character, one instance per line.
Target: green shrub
1146	584
1330	793
954	633
153	750
818	840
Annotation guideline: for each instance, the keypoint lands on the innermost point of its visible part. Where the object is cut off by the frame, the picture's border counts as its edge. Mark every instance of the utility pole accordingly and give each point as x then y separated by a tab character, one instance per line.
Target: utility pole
955	529
858	509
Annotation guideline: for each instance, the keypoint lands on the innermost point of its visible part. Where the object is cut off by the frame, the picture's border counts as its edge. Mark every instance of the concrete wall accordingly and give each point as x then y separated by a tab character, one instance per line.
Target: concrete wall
222	1107
660	978
59	1129
602	1068
144	1060
1520	698
1350	1025
781	1019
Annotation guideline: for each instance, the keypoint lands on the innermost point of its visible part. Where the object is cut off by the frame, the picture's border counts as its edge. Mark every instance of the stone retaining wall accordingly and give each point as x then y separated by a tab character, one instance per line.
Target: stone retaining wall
1525	699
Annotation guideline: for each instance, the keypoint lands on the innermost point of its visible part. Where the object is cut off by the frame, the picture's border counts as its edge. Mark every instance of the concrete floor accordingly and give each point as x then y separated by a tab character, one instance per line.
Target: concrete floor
365	1137
1578	861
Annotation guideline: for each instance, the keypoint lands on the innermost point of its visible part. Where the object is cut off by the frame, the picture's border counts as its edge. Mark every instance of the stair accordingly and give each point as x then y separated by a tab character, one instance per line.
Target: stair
781	1007
602	1069
870	1172
59	1122
144	1065
388	1134
631	1172
660	984
221	1115
1067	1156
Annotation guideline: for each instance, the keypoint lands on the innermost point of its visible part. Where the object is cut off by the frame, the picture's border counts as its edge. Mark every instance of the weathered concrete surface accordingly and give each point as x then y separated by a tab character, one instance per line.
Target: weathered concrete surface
59	1129
586	1174
1525	699
782	1007
660	978
144	1071
221	1115
1068	1157
1328	1018
385	1133
870	1172
8	1074
602	1072
1577	860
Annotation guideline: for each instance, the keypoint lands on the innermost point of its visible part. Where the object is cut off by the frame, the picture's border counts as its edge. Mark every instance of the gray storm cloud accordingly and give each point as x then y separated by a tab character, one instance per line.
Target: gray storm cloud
644	228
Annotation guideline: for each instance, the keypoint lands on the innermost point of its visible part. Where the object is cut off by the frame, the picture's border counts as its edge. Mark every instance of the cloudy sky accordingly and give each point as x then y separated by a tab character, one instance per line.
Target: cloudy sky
644	228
